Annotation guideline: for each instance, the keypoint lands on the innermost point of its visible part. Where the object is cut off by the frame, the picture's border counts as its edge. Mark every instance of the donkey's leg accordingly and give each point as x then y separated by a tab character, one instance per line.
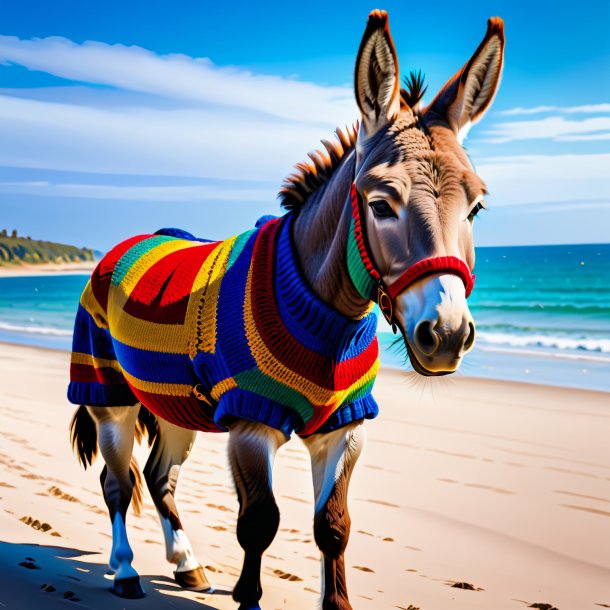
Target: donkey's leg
252	449
172	446
115	428
333	456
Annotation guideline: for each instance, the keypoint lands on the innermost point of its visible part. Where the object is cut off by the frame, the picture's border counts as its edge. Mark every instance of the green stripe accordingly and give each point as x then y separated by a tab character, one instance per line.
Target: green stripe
359	392
240	243
259	383
358	273
136	252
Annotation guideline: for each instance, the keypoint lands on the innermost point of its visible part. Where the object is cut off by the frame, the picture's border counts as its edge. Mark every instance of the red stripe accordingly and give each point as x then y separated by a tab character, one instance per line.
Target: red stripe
86	373
162	293
100	279
314	367
427	266
184	411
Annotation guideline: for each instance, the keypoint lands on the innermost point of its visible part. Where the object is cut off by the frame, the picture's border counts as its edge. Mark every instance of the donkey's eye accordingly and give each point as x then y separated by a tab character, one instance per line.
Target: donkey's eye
478	206
382	209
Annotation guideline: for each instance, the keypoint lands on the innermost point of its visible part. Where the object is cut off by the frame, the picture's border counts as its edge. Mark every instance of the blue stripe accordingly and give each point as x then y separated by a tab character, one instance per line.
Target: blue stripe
232	353
362	408
154	366
241	404
88	338
231	341
309	320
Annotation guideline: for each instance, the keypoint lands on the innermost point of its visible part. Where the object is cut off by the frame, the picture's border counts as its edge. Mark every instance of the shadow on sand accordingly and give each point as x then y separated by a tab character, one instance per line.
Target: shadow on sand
34	576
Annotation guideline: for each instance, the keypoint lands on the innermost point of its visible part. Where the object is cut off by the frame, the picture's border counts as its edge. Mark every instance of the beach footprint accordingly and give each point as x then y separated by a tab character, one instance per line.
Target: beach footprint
287	576
463	585
62	495
38	525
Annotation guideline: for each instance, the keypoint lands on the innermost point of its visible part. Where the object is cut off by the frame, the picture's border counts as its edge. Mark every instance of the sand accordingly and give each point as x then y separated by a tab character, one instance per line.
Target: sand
25	269
501	486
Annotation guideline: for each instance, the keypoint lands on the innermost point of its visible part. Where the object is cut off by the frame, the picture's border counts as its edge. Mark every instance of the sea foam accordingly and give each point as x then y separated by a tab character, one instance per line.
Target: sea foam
35	330
536	340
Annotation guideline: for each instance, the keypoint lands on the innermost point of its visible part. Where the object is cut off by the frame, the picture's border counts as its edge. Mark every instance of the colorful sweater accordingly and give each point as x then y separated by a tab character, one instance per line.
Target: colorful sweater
205	332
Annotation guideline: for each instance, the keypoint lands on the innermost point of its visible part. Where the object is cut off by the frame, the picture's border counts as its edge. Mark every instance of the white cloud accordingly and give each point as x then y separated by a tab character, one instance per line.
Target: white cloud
218	143
170	193
166	115
180	77
554	128
583	109
177	116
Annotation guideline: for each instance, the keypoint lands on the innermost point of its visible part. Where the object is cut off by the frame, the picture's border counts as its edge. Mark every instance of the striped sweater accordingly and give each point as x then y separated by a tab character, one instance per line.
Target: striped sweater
203	333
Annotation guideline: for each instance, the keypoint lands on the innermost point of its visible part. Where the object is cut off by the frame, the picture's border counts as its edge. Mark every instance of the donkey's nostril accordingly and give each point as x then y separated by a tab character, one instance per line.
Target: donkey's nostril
426	338
471	335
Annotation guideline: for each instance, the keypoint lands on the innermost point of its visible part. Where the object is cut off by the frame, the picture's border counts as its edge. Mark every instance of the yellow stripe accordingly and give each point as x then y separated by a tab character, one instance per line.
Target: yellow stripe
205	297
152	336
223	386
98	363
269	365
155	387
91	304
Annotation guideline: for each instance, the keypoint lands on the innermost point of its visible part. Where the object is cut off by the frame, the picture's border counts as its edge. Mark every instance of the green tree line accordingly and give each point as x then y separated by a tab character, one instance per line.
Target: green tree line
16	249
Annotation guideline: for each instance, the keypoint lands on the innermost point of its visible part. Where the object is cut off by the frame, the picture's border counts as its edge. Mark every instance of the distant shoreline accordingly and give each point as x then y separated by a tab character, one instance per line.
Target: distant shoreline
25	269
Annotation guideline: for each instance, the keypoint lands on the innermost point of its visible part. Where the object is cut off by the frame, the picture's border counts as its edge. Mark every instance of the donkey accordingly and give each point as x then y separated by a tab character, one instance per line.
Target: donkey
273	331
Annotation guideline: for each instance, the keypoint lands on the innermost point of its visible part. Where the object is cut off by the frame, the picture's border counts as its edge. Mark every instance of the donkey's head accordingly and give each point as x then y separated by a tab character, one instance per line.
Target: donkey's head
416	193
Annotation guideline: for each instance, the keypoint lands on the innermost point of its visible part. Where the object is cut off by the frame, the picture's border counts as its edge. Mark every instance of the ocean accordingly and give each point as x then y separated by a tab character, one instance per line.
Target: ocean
542	315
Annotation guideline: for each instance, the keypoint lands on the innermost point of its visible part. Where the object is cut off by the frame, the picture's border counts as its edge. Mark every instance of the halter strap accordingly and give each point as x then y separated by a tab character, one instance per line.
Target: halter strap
369	282
434	264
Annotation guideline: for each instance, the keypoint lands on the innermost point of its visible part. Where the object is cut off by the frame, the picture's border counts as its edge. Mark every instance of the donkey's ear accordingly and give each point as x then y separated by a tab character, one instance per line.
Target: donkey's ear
469	93
376	80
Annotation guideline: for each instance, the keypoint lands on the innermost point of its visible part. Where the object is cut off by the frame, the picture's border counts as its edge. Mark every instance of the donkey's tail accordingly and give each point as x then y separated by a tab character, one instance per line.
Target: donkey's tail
83	433
83	436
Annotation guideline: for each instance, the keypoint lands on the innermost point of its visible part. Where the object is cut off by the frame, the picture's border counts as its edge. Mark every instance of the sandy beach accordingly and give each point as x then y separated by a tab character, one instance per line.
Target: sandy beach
470	494
25	269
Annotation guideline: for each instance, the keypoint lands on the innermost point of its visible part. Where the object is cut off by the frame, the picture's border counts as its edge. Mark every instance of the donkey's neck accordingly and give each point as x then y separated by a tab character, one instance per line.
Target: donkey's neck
320	236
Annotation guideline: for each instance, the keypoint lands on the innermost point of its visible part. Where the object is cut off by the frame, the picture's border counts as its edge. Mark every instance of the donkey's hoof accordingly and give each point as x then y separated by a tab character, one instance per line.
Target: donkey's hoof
193	580
129	588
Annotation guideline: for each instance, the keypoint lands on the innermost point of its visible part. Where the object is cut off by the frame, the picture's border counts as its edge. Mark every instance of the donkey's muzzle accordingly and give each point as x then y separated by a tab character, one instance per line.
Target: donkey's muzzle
438	326
438	347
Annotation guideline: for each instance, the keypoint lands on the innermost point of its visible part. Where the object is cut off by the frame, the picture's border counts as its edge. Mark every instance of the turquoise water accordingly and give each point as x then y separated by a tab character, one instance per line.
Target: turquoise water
542	315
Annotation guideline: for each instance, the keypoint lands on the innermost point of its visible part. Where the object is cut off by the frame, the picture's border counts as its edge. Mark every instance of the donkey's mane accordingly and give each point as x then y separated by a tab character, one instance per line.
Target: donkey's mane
414	90
310	175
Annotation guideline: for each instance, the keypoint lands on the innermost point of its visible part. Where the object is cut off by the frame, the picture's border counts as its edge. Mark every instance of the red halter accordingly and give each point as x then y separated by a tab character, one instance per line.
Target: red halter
427	266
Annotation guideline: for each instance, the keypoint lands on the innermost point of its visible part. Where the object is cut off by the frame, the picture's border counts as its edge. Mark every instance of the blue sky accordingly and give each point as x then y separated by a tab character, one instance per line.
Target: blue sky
120	117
